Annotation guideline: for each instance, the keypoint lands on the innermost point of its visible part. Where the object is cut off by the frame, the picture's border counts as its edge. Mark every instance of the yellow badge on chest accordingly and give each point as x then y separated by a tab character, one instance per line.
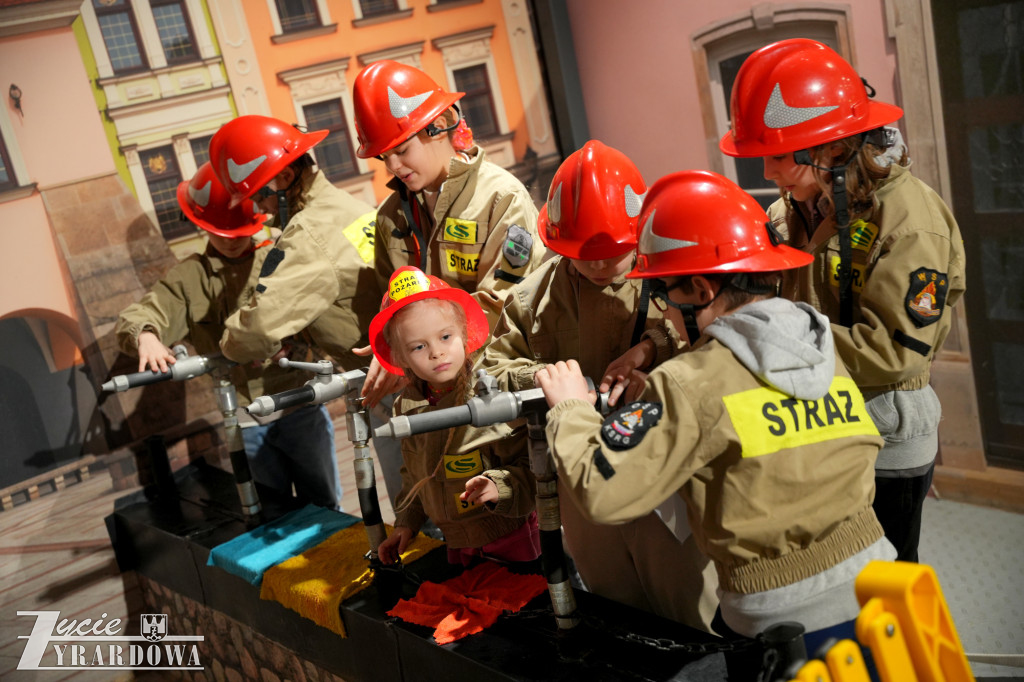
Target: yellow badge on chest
856	268
460	231
767	420
462	263
464	505
360	232
863	235
463	466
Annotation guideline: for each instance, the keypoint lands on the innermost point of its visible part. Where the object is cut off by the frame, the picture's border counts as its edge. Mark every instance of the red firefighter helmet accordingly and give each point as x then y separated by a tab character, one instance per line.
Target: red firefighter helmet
796	94
698	222
206	203
409	284
594	199
249	151
393	102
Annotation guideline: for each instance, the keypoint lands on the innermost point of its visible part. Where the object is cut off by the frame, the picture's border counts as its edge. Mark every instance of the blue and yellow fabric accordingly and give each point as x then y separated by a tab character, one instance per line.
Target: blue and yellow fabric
309	560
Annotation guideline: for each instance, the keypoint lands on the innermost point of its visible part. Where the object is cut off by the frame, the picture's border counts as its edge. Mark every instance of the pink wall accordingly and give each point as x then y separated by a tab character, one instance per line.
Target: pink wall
637	73
61	140
32	282
60	136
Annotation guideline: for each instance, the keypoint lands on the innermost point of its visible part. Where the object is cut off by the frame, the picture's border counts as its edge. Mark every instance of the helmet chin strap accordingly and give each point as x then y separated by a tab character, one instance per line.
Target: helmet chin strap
845	269
283	212
689	313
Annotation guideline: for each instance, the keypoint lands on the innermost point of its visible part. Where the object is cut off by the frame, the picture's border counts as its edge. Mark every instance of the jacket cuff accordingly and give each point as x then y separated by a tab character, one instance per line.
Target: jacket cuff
663	346
128	338
524	377
505	493
567	405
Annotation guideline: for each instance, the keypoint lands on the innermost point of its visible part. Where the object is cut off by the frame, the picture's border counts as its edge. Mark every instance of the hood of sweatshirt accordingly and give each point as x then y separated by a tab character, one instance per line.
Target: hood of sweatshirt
787	345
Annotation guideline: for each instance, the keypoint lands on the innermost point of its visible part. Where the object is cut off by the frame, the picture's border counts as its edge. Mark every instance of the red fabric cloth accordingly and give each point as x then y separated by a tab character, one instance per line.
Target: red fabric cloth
469	602
520	545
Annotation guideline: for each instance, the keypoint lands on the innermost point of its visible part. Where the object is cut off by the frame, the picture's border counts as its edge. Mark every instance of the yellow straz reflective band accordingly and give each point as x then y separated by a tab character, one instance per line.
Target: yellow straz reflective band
464	465
461	231
464	506
767	420
360	233
462	263
858	274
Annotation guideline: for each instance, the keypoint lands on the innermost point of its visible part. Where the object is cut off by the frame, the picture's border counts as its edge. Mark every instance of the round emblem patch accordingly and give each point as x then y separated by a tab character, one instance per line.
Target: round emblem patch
626	427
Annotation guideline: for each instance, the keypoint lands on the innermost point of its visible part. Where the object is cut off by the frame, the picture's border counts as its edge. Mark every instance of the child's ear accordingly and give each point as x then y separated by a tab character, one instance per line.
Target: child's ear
705	290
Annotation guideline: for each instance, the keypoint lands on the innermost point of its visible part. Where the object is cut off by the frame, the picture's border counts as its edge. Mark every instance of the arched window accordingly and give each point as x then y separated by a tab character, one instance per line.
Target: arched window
720	50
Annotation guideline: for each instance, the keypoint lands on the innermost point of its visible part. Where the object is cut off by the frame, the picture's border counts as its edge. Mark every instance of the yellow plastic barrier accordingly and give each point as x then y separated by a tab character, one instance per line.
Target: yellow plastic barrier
846	663
905	622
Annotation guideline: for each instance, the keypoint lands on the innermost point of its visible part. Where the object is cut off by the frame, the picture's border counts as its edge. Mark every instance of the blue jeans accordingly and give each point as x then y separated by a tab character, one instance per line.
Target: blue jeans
297	449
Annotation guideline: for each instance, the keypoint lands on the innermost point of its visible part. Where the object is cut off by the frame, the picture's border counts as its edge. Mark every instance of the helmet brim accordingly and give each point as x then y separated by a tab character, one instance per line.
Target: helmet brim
306	142
781	257
368	151
571	248
879	114
242	231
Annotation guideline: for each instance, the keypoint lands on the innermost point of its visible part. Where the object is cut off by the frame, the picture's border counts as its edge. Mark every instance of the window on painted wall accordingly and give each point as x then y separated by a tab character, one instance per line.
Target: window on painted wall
7	179
724	60
333	155
162	178
120	35
172	24
297	15
201	149
749	172
374	7
478	104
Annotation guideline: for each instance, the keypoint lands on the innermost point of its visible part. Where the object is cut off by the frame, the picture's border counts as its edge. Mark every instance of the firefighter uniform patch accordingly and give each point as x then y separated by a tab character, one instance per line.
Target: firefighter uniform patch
926	296
518	244
626	427
271	262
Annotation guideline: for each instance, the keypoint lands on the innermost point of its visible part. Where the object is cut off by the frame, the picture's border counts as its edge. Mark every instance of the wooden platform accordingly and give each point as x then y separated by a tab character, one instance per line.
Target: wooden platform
55	555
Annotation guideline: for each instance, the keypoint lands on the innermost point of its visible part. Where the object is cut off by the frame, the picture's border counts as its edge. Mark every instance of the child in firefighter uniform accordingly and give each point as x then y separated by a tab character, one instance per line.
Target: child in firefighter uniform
193	301
319	274
757	426
580	305
801	107
474	483
452	213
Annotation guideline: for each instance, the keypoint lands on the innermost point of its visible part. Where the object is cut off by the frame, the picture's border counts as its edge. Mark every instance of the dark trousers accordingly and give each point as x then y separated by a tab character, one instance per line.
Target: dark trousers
898	504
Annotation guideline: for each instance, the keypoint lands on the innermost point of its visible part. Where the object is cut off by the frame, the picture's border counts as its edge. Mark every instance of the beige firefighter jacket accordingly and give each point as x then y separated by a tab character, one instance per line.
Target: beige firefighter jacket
482	236
908	267
318	275
706	428
557	314
192	302
498	451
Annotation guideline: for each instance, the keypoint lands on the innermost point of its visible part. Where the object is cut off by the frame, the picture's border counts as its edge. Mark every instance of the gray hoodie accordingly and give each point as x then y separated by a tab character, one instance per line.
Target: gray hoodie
787	345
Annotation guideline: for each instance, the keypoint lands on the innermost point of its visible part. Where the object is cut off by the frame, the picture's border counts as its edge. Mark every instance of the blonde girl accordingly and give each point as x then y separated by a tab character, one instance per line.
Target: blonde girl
474	483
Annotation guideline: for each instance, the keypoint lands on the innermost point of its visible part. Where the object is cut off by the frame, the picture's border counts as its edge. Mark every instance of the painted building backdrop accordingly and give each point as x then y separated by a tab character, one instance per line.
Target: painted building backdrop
108	104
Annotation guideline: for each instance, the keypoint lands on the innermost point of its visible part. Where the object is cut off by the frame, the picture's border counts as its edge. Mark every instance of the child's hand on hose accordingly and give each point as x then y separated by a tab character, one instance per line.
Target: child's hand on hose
479	490
394	545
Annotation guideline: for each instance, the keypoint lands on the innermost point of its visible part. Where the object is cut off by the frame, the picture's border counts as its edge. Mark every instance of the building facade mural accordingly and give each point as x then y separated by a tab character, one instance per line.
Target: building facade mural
87	175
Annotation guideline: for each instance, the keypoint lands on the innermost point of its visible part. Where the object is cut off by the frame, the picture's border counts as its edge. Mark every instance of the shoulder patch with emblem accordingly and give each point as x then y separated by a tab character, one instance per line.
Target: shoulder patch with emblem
626	427
518	245
926	296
